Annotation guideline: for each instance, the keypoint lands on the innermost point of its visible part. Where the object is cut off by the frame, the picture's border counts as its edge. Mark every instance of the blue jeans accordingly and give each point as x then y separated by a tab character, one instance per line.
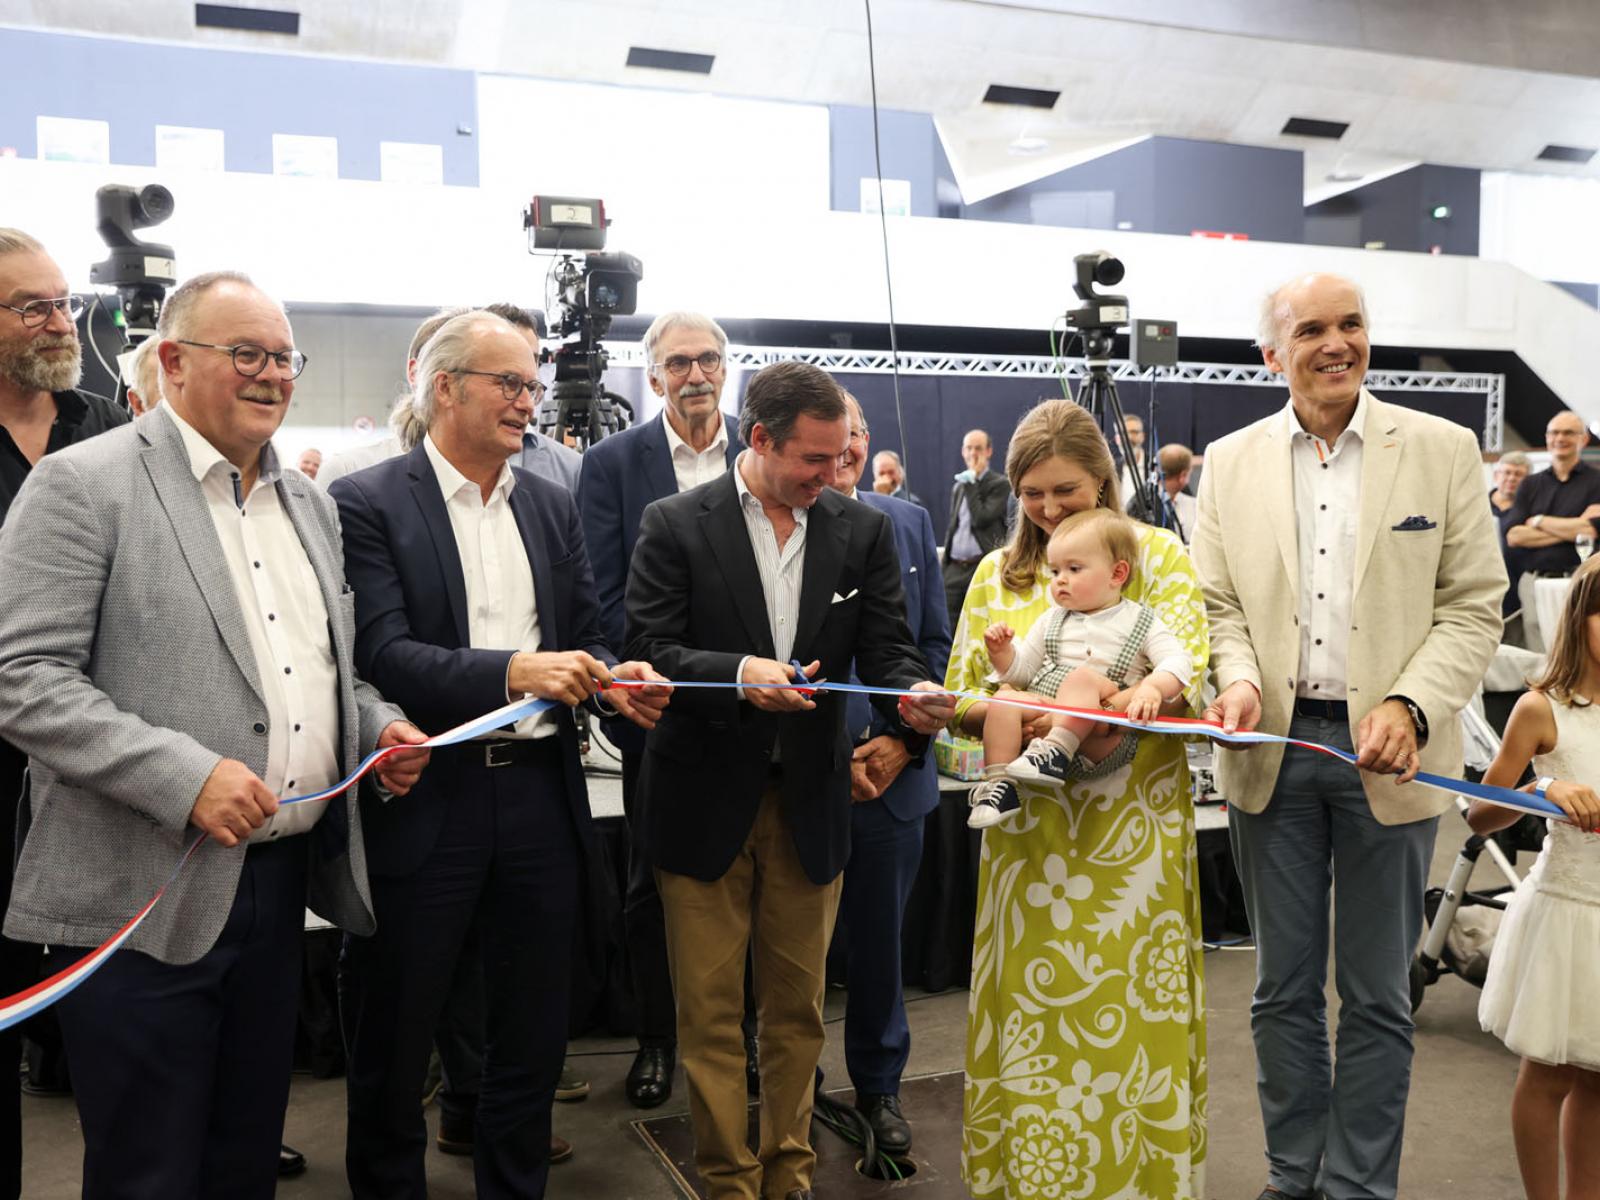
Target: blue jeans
1331	1122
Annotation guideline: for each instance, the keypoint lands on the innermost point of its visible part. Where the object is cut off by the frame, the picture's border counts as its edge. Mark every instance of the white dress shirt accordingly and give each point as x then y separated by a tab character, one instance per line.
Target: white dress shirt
780	570
287	621
694	467
1187	510
1096	640
502	613
1327	506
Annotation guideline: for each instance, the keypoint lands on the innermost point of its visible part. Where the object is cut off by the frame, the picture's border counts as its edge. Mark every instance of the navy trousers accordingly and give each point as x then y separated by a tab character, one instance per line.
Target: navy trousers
182	1072
506	862
884	854
1332	1122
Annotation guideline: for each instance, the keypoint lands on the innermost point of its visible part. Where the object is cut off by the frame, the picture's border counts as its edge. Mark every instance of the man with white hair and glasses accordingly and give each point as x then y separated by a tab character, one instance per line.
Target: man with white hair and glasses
690	443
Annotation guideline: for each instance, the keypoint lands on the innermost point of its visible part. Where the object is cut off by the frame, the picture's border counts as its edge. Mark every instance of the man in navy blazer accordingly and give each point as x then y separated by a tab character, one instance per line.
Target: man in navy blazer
892	789
473	587
691	442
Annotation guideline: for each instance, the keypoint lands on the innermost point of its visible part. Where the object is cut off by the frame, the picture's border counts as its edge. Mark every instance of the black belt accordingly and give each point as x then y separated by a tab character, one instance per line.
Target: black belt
1322	710
967	562
511	751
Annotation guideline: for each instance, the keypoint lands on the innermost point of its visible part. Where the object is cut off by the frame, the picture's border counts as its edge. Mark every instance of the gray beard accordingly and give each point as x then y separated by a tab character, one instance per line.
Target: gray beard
26	368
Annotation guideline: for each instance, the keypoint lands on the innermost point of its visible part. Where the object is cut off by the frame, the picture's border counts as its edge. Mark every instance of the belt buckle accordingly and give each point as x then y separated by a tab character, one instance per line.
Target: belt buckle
497	754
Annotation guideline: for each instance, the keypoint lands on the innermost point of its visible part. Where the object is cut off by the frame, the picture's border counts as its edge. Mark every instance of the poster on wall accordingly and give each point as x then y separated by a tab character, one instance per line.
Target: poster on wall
70	139
305	156
187	148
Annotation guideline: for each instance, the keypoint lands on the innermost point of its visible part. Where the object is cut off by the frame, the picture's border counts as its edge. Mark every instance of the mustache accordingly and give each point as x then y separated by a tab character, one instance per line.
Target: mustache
263	391
58	341
696	389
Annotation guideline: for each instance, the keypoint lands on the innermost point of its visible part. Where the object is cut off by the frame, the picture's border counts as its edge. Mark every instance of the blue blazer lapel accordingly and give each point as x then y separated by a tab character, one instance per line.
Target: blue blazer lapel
168	465
533	540
656	461
425	491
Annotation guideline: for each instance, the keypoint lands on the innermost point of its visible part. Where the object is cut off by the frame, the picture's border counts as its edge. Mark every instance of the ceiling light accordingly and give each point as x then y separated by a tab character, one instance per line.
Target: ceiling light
1026	145
257	20
999	93
1571	154
670	60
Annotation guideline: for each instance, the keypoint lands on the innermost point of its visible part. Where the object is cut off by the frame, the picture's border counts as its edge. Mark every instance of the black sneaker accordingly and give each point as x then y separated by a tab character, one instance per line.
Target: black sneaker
991	801
1042	762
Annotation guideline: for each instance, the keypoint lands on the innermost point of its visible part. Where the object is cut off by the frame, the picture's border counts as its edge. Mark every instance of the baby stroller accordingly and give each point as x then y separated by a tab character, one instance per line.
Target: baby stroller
1455	942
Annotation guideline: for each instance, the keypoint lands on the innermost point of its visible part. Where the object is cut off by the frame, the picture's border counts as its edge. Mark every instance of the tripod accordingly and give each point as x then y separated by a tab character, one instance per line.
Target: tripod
1098	396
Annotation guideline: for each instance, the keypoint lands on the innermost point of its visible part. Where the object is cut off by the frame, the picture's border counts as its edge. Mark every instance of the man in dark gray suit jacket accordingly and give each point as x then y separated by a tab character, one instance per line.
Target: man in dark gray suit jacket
175	654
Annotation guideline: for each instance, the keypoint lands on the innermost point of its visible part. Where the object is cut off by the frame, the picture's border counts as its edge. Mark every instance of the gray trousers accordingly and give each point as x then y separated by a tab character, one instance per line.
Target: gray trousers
1336	1122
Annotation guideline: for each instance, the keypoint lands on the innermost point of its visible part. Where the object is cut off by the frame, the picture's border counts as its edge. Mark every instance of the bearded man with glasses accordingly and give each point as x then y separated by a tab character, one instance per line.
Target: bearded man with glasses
690	443
41	411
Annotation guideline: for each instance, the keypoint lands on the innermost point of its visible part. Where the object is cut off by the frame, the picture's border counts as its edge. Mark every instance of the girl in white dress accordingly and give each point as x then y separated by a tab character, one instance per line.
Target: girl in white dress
1542	995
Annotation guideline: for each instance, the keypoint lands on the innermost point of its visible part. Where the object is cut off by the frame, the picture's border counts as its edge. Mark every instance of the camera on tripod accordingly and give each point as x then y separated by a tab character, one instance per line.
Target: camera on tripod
587	287
1101	314
140	271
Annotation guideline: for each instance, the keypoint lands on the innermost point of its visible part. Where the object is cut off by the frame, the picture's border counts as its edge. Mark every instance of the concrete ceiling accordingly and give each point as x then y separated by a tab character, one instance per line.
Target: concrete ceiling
1476	83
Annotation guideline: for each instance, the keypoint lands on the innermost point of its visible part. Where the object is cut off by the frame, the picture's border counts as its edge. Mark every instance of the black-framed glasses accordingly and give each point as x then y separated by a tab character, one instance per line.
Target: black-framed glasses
250	360
511	384
678	365
37	312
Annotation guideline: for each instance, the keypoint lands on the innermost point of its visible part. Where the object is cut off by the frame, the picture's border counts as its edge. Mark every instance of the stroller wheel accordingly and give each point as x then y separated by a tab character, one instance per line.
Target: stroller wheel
1419	982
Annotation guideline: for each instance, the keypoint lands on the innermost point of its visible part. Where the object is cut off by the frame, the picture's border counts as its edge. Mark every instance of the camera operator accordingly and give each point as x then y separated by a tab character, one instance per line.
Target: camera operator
41	411
691	443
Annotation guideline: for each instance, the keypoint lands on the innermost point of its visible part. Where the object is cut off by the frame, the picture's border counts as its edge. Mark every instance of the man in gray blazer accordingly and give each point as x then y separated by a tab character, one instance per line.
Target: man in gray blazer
175	654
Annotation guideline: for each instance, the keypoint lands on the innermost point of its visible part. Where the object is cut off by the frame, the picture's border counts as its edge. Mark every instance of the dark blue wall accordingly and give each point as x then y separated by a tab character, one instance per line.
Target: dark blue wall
1395	211
136	86
911	150
1172	185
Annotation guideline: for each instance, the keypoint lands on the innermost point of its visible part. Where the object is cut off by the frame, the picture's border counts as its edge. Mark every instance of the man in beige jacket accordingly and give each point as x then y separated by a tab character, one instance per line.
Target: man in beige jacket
1352	578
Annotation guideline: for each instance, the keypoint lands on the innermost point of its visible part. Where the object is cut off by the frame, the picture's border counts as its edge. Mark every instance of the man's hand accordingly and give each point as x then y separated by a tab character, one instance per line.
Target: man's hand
567	676
400	772
930	714
861	788
232	803
643	705
761	673
883	758
1386	742
1592	513
883	487
1236	707
1579	802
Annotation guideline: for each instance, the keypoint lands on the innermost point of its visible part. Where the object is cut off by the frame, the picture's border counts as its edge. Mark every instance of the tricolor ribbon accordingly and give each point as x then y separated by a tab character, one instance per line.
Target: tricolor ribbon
40	996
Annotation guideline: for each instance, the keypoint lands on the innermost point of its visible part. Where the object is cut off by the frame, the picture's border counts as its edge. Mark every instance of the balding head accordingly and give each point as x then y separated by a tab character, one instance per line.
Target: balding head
1565	436
1314	333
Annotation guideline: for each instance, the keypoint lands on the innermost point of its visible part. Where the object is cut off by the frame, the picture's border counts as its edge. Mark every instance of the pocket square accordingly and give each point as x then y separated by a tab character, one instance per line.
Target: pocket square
1415	525
838	599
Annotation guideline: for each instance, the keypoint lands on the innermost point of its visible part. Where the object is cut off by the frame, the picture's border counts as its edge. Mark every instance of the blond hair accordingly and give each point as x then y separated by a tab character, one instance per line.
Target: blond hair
1116	533
1569	656
1052	429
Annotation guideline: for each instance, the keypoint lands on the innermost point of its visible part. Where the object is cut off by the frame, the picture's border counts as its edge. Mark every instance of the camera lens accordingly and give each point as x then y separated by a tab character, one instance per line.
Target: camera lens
156	202
606	297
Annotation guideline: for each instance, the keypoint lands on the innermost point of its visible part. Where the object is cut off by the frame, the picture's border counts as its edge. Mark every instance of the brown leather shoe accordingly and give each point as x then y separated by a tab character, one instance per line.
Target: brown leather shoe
560	1149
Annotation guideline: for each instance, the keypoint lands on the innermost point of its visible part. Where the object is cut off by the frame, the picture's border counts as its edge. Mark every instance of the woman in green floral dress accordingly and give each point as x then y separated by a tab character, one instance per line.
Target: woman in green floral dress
1086	1045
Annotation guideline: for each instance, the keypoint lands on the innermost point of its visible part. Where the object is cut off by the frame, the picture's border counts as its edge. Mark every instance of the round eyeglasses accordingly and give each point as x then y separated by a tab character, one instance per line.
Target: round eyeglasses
512	385
679	364
37	312
250	360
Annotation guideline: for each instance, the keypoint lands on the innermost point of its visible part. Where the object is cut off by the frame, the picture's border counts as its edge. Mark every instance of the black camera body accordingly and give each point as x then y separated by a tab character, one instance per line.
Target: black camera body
140	271
1101	313
587	287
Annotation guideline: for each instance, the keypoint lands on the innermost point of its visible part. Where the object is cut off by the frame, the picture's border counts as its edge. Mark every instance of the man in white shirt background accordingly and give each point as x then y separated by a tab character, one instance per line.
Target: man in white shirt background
1177	463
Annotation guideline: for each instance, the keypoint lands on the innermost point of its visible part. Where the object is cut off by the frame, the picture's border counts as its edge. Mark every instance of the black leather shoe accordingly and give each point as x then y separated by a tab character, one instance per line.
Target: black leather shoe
1272	1193
650	1078
290	1162
889	1127
752	1067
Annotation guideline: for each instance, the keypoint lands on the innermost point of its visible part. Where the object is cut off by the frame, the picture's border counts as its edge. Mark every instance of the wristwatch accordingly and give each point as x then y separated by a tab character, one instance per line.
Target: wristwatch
1418	719
1536	520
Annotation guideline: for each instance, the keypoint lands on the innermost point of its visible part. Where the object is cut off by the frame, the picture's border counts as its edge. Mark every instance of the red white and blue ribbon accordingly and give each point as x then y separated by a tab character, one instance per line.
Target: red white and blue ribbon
17	1008
23	1005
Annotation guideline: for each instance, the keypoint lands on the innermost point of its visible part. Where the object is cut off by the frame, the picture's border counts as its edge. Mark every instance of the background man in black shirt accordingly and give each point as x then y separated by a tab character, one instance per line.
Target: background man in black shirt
40	411
1553	508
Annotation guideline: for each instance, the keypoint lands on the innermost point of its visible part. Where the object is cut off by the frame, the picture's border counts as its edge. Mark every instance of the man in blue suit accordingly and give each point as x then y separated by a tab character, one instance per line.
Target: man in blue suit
690	443
472	586
892	792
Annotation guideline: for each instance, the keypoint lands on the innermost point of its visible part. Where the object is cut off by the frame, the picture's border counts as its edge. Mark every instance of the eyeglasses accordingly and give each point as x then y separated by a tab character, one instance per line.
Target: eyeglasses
679	364
38	312
250	360
512	385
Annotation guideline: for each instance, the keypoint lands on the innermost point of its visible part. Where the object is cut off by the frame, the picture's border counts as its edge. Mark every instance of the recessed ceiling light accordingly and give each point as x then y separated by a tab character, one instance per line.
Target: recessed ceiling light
670	60
999	93
1027	145
1311	127
1571	154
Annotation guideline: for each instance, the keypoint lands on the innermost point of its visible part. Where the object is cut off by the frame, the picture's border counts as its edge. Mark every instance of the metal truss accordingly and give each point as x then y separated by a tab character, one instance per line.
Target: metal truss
1023	366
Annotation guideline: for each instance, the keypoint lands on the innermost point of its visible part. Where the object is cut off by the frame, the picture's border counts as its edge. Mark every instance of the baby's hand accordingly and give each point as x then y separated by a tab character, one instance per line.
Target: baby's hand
998	636
1144	702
